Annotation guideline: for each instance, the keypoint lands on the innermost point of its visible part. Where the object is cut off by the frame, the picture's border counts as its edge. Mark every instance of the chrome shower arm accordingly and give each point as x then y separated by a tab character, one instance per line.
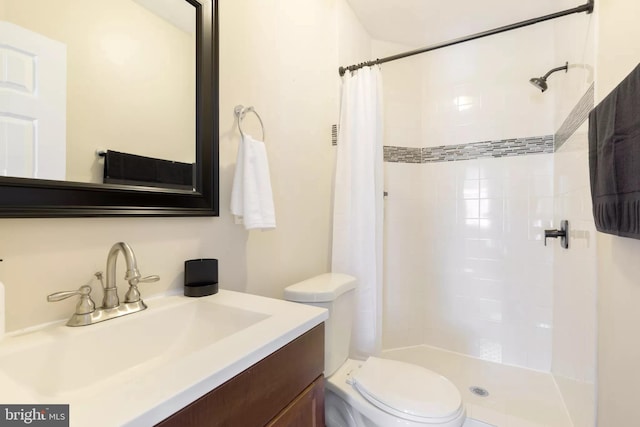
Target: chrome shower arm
565	67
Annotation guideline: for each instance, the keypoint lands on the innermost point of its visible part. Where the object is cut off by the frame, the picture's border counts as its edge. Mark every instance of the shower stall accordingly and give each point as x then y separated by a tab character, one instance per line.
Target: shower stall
478	164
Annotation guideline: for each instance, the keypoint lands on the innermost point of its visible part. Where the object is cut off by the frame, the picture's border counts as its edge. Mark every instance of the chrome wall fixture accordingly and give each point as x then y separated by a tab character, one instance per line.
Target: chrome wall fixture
241	111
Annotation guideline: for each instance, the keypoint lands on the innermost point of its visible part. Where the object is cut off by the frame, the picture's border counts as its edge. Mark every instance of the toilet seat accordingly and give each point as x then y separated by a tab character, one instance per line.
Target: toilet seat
407	391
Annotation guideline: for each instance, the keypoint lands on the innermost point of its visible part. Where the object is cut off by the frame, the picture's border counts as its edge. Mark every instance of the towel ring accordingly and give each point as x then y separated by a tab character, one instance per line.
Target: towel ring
240	111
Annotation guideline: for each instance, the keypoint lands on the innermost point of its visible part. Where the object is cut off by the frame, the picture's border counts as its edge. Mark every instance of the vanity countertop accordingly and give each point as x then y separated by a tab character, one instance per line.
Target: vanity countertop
139	369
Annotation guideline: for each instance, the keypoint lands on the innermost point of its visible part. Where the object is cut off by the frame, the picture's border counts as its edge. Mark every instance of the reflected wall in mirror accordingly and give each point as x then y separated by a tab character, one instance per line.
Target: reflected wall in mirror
136	79
82	76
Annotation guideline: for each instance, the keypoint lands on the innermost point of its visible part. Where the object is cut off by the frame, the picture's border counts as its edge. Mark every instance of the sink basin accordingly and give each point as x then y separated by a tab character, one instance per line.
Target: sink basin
67	360
141	368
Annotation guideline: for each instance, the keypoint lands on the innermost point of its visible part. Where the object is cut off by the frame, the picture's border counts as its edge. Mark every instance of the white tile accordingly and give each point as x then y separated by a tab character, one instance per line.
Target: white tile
540	164
469	208
541	207
491	228
488	288
537	226
474	233
492	168
517	168
469	189
468	169
466	228
514	354
541	186
539	349
491	188
516	187
491	310
491	209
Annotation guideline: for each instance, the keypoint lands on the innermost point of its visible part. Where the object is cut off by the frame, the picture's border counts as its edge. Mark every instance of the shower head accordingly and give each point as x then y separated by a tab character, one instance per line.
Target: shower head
541	82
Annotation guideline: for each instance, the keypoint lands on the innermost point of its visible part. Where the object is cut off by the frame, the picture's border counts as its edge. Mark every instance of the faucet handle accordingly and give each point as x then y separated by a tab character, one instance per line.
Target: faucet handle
84	306
133	294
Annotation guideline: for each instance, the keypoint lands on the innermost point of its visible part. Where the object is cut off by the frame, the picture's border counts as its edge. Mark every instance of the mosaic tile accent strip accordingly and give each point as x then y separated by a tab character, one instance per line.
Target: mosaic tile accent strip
334	134
475	150
402	154
576	118
546	144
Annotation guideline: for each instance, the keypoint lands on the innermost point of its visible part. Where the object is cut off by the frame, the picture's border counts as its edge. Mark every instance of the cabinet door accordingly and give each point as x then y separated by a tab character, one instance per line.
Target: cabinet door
259	394
307	410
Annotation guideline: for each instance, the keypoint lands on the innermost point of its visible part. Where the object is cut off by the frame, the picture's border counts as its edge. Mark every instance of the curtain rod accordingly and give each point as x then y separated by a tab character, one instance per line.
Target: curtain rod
588	8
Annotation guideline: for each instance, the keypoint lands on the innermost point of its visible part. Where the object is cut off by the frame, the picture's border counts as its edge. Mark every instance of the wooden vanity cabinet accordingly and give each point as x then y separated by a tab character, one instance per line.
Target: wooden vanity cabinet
307	410
285	389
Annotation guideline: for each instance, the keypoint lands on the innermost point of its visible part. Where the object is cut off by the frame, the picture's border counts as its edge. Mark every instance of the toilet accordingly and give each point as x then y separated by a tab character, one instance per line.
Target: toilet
375	392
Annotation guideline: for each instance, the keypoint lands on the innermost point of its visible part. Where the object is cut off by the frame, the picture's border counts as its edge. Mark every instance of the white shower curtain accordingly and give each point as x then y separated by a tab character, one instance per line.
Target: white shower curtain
358	210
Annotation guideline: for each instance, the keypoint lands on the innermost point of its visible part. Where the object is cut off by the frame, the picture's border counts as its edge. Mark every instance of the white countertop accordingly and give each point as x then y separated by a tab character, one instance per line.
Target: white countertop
148	391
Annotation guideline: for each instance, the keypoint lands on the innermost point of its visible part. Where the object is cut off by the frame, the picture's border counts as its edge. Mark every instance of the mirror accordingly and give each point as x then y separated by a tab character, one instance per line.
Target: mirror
137	79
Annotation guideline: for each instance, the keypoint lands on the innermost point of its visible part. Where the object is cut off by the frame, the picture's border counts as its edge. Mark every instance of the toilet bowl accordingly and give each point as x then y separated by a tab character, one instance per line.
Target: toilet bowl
399	394
375	392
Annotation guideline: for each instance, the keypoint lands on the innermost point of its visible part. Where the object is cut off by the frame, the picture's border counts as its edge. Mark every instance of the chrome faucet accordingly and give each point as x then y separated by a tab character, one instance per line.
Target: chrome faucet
87	314
110	298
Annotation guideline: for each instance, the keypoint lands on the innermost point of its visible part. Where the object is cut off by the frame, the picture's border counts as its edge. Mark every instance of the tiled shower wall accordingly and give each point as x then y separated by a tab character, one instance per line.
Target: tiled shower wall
574	296
465	264
473	179
466	268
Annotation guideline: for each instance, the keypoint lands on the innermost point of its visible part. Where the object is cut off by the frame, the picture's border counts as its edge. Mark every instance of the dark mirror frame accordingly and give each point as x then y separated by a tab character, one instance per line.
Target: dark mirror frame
34	198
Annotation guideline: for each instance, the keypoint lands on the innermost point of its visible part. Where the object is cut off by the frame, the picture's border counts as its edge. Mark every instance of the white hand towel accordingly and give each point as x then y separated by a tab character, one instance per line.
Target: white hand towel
251	195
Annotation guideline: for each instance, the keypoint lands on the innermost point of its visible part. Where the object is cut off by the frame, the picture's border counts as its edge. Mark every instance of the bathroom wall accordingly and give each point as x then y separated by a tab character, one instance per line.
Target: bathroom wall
354	44
574	273
281	57
465	265
112	71
618	53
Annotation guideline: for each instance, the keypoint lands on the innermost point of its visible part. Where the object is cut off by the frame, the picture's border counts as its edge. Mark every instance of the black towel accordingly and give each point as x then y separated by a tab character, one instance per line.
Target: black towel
124	168
614	159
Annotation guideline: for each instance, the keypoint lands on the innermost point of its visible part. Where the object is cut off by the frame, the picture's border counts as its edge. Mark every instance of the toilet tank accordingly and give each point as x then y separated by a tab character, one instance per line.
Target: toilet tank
333	291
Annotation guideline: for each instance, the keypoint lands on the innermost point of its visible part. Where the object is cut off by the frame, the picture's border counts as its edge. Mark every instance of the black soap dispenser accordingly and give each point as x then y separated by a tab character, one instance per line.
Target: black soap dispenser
200	277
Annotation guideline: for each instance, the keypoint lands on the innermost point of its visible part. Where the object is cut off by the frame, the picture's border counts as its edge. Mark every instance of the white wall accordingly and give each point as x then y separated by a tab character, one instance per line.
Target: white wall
353	41
280	57
574	273
129	81
465	266
402	96
618	268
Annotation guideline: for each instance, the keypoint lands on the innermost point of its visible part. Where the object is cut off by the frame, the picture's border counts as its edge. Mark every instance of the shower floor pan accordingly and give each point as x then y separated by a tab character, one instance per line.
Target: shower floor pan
496	394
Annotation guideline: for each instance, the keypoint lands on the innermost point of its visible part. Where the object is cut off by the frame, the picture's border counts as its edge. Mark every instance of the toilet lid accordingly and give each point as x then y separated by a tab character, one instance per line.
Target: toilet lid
407	391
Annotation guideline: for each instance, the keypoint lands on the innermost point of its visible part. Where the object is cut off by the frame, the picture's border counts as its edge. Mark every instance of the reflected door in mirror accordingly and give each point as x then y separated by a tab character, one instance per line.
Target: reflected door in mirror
127	84
32	104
